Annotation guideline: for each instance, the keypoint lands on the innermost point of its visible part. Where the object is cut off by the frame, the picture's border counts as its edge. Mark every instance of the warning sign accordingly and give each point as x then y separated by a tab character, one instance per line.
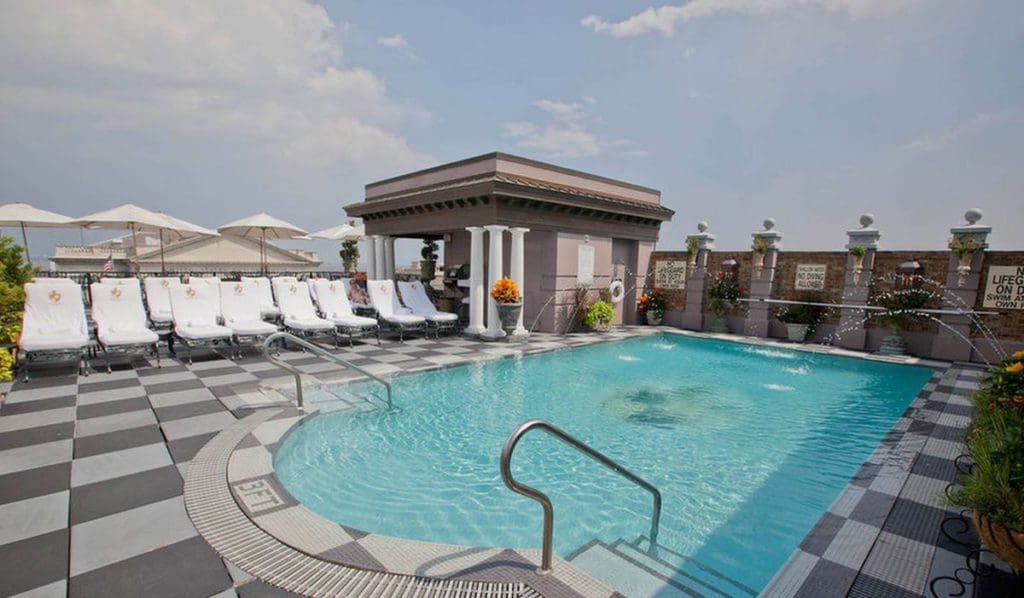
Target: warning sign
810	277
1004	288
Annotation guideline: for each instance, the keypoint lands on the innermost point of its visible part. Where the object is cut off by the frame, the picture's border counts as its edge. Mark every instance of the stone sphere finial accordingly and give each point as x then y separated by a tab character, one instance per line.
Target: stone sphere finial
769	223
867	219
702	226
973	215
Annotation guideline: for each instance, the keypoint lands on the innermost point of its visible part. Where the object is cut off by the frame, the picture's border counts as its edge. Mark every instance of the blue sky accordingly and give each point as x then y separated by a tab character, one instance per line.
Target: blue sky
809	111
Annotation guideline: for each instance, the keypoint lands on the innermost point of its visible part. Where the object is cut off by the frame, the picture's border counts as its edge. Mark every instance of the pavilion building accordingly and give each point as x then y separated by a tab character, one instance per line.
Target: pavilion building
550	228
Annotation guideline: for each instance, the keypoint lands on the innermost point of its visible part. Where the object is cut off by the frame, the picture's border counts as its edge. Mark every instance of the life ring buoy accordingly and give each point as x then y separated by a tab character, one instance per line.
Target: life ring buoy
617	291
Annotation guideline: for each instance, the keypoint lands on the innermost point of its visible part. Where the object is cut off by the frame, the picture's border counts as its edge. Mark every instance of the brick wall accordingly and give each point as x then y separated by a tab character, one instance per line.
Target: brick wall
1009	325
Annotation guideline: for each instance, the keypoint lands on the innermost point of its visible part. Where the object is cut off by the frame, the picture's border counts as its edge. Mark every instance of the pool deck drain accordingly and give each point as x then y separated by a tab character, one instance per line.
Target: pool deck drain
91	469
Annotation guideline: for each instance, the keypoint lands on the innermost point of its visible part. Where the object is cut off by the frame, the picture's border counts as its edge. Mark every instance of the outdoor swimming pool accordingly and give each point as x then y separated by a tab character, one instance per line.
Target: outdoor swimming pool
748	445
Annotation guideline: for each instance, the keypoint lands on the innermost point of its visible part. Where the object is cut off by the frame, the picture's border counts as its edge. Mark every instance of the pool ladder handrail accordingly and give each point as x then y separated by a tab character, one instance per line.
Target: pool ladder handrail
537	495
319	352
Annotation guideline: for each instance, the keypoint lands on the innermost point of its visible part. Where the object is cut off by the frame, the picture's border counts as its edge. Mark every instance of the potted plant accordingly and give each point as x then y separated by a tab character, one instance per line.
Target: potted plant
857	252
724	293
760	248
14	273
692	248
652	306
428	267
600	314
963	248
994	486
349	254
900	313
800	318
505	293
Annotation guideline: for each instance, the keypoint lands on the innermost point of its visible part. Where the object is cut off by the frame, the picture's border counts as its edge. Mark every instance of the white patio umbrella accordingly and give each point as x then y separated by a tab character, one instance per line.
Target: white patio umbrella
262	226
24	215
342	232
180	229
136	219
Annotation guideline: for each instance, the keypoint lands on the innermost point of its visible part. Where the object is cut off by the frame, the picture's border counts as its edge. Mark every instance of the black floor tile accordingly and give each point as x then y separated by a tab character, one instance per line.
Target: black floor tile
259	589
188	410
112	407
115	441
40	405
184	449
35	482
34	562
187	568
185	384
100	385
29	436
47	377
93	501
224	371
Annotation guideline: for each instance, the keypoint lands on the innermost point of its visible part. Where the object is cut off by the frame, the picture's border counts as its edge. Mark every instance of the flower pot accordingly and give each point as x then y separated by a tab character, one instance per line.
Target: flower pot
654	319
719	324
508	315
1007	544
796	332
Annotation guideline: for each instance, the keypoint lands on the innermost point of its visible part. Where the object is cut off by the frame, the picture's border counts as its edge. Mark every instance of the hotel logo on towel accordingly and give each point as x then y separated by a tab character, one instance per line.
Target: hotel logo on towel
54	297
115	292
293	289
239	289
165	283
190	293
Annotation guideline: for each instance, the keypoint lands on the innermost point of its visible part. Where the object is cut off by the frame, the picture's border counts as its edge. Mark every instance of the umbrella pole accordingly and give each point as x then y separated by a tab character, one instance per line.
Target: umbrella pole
263	250
24	239
135	247
163	270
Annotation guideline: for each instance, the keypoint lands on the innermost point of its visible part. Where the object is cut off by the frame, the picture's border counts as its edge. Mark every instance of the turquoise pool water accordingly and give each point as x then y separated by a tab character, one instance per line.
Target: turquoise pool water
748	445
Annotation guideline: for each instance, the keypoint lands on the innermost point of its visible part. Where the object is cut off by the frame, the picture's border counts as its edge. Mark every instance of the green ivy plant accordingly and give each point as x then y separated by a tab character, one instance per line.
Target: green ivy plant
600	312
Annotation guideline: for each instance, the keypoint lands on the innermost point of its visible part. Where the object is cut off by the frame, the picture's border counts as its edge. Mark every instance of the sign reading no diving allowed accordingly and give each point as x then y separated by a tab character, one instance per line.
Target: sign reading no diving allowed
1004	288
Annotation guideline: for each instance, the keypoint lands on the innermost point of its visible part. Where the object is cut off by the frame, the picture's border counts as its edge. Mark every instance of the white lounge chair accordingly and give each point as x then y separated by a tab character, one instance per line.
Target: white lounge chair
415	298
121	320
240	308
267	307
356	306
297	311
334	306
195	309
382	294
53	326
211	281
158	300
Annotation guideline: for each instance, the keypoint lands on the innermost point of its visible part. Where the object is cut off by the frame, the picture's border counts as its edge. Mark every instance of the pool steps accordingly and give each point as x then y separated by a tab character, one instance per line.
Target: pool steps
629	568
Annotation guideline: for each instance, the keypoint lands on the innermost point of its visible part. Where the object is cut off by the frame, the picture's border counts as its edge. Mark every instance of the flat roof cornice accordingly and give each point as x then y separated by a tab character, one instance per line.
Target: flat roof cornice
502	156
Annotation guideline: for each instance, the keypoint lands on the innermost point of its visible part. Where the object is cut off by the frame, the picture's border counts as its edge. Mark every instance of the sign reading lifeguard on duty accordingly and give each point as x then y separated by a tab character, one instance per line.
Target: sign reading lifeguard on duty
1004	288
810	277
670	275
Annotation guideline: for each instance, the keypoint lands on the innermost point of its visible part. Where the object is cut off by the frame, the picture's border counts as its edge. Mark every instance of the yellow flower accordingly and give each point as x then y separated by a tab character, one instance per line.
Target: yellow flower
1015	368
1019	354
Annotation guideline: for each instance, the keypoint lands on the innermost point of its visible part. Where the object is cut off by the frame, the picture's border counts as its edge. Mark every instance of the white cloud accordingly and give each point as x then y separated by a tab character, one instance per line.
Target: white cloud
951	136
269	72
666	19
566	135
394	41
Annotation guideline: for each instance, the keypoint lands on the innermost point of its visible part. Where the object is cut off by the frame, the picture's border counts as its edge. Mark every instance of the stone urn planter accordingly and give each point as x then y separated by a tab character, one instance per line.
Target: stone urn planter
796	332
654	319
1005	543
893	345
508	314
719	324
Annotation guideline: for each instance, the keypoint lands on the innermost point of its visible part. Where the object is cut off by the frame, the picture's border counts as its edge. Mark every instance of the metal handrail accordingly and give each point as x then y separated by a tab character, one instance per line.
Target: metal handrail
319	351
537	495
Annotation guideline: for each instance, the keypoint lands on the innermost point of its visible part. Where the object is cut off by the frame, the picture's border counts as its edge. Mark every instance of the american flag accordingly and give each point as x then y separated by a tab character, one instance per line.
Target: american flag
109	264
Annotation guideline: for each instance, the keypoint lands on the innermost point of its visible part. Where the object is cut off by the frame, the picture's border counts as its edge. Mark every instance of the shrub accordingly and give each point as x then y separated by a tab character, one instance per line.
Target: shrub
800	313
600	312
724	293
994	489
14	273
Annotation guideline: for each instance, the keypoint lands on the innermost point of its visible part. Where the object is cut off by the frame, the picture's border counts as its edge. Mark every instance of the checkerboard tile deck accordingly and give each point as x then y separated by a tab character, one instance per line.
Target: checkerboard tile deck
91	474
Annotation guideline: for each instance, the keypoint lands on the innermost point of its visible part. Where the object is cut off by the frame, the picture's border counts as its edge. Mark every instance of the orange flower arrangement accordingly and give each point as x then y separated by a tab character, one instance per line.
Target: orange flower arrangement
506	291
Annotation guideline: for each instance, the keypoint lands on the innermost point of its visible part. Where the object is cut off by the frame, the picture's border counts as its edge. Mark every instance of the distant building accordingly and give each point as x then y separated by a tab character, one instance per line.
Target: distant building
225	253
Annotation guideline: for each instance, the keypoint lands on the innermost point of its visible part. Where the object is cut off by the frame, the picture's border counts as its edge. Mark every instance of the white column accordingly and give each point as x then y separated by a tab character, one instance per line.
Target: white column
371	257
516	272
476	280
495	263
378	244
389	258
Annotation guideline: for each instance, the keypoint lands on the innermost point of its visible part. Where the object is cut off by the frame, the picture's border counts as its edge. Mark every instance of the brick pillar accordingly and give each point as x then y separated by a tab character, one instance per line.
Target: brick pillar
857	286
697	276
963	280
767	244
